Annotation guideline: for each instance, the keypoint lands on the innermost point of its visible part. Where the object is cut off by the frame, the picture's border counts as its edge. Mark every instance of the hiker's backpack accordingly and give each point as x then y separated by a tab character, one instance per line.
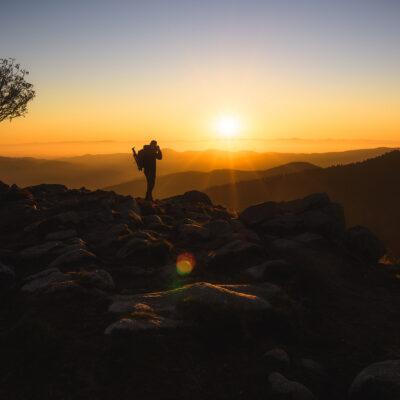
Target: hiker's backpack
141	158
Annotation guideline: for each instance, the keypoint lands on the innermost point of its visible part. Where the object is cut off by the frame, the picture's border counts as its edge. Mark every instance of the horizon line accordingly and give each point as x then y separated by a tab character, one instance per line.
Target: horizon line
292	139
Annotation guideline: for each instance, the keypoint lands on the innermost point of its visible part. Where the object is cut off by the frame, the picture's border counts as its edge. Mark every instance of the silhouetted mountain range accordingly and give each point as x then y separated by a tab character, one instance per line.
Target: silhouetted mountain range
173	184
28	171
96	171
368	190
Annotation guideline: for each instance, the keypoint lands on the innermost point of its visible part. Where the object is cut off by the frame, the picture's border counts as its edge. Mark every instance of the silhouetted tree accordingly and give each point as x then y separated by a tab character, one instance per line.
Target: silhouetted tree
15	91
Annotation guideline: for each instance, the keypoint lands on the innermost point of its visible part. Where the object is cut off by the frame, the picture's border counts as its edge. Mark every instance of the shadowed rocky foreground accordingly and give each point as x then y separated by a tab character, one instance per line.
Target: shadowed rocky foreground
280	302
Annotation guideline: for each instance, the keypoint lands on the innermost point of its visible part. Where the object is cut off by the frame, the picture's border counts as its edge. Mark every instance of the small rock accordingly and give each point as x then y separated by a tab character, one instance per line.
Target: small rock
73	256
98	278
61	235
132	245
152	219
283	245
51	188
39	250
219	228
256	272
69	217
308	238
43	279
193	232
271	268
118	230
7	276
290	389
277	358
65	286
237	253
127	206
142	324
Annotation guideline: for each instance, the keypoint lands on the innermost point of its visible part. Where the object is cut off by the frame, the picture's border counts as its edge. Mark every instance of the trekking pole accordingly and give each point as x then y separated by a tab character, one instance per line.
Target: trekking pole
135	156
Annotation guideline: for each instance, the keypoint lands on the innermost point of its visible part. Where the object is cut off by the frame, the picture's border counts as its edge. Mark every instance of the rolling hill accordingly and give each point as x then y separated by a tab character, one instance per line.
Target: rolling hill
368	190
173	184
103	170
28	171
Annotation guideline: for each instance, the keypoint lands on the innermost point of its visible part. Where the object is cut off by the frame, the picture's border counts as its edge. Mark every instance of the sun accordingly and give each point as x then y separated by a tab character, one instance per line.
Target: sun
228	126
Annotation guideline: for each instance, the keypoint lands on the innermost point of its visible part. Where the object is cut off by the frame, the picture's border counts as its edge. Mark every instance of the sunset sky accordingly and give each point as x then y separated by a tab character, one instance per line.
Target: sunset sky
113	73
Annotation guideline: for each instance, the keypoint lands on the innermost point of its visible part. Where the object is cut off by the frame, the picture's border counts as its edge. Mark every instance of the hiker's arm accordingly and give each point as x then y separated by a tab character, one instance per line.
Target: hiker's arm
159	154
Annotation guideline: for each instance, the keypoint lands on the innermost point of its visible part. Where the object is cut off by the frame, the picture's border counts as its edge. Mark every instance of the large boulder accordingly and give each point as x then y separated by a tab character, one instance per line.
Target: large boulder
314	213
377	381
237	297
364	243
194	196
15	215
311	202
259	213
179	307
283	224
328	221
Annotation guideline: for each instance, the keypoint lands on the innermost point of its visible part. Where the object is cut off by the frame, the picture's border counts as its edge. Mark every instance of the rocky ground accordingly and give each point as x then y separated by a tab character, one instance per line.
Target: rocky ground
108	297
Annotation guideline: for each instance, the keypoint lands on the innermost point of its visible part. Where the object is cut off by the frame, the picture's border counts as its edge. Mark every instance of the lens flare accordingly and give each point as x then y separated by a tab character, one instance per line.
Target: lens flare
185	264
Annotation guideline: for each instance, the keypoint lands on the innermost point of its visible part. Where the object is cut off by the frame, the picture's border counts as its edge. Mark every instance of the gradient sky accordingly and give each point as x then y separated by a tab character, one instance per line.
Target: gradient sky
129	71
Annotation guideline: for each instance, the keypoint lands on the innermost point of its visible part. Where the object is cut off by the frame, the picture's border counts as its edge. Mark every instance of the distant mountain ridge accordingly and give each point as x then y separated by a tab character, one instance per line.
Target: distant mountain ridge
173	184
368	190
103	170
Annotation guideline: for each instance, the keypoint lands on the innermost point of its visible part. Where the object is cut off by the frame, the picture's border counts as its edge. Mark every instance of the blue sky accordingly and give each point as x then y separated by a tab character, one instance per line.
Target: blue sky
162	51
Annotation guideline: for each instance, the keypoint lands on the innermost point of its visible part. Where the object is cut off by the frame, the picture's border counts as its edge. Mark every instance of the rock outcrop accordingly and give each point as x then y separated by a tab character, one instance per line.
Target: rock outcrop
124	293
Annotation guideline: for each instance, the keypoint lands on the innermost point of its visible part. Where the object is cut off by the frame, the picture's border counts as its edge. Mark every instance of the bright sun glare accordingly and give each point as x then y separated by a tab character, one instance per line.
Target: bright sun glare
228	126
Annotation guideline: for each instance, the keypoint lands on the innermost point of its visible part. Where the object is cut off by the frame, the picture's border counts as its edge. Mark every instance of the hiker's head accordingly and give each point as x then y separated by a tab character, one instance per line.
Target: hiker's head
153	143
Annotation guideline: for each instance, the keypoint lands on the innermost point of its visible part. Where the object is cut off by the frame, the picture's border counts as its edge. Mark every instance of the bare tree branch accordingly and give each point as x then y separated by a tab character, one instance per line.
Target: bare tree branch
15	91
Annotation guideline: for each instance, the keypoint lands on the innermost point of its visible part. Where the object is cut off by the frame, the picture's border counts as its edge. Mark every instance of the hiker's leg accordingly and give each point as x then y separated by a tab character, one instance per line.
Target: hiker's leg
151	178
150	184
146	174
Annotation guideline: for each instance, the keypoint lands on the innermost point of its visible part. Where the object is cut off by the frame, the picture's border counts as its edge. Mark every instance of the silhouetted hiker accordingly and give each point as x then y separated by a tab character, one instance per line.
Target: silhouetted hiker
146	160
